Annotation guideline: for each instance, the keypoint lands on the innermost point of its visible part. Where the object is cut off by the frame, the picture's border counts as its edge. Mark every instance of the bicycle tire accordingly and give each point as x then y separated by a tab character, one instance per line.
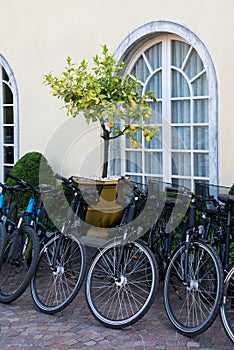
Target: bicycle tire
18	267
3	240
54	288
192	308
227	306
12	217
158	244
215	236
118	303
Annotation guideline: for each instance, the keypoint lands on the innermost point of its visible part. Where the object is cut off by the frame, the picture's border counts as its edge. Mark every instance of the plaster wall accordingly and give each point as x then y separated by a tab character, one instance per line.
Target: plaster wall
37	36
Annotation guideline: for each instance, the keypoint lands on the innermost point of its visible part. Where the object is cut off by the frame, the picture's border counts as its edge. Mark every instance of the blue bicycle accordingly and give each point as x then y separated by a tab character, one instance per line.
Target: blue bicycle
21	243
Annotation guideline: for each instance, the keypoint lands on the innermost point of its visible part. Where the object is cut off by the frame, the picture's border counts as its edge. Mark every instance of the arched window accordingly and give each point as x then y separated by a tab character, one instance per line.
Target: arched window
180	70
9	144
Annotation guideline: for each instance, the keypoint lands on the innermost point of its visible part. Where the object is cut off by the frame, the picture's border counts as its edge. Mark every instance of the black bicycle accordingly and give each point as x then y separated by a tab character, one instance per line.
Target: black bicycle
216	205
227	306
170	204
193	281
61	265
123	277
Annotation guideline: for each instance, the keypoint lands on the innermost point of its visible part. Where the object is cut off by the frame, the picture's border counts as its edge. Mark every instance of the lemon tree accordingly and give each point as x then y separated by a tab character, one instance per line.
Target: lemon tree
106	95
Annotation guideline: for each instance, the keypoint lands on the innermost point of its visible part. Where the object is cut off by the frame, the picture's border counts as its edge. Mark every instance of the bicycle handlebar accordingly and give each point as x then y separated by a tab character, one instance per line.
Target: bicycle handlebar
9	188
64	179
133	186
23	183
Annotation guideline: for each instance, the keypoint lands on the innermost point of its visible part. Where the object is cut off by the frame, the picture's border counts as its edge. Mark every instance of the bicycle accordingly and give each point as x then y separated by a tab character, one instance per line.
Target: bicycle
217	230
193	281
122	280
8	215
20	252
60	269
227	306
170	203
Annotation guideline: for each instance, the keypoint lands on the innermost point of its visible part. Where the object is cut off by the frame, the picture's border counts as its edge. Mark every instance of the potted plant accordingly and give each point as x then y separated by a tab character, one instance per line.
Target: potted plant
106	95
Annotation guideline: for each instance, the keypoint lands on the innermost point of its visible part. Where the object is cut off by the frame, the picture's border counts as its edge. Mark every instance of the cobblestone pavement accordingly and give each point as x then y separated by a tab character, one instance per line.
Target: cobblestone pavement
22	326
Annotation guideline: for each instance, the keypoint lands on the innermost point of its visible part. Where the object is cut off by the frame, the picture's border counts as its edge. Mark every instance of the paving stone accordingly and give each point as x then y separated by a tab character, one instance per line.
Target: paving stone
24	327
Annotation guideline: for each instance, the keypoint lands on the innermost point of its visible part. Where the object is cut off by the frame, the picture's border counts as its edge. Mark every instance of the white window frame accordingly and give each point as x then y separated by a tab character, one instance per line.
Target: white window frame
13	86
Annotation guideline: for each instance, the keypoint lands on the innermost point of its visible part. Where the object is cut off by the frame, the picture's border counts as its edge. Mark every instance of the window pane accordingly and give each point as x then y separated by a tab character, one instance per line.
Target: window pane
153	162
8	134
180	86
181	137
179	52
201	137
154	56
7	94
182	182
155	84
180	111
201	164
156	117
8	115
194	65
181	164
138	180
6	170
156	142
9	155
138	137
4	75
140	70
200	86
133	162
201	113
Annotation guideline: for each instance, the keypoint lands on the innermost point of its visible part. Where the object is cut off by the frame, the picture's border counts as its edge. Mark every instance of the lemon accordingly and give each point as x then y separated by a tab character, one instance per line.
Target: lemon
148	138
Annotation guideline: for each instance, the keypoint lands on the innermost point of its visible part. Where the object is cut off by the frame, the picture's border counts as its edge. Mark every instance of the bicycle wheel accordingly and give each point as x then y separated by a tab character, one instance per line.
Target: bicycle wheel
193	306
118	302
3	239
20	260
216	237
227	307
12	217
58	279
158	236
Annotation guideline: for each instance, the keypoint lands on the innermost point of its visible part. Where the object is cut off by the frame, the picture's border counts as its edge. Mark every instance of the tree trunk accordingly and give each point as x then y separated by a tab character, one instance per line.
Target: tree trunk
105	154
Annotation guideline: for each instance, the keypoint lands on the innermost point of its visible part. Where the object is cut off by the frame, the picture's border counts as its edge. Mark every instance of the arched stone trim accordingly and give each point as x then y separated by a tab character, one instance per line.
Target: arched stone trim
135	39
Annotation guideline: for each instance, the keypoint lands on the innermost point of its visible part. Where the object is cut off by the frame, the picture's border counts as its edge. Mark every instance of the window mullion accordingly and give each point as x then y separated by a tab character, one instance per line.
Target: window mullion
166	110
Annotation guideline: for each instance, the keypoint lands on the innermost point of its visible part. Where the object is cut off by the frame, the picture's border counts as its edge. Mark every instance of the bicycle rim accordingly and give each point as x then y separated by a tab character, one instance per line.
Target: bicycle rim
227	307
192	307
54	286
120	302
18	267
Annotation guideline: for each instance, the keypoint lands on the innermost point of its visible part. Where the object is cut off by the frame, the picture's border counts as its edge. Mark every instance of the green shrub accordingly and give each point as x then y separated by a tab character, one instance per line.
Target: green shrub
34	169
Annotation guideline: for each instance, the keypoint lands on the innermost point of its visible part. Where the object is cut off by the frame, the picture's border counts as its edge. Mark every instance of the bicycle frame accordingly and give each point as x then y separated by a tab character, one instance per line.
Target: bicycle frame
77	209
5	207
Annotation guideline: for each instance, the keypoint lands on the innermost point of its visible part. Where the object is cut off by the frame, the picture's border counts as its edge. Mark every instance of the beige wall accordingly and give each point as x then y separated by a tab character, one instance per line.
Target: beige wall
36	37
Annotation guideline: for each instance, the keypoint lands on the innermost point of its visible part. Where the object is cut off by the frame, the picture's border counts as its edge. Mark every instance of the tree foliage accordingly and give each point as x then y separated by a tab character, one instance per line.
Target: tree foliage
105	95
